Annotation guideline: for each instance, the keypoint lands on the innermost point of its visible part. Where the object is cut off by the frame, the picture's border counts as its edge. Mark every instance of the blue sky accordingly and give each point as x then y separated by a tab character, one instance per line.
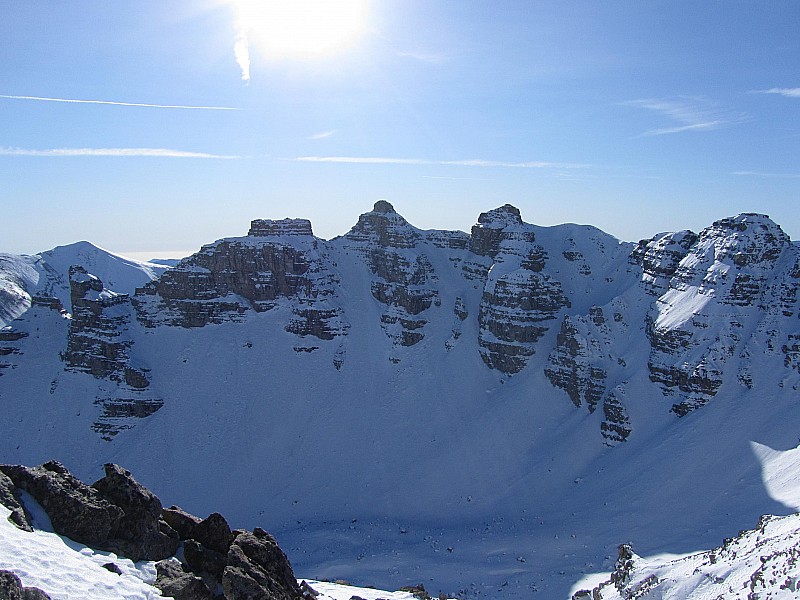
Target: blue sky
634	116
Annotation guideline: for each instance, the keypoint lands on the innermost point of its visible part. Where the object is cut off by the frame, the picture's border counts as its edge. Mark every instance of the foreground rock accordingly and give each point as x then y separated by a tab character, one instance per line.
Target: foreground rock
11	588
118	514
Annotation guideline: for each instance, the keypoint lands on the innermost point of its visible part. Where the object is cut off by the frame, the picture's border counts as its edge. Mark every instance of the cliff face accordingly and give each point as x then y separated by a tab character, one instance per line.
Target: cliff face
688	313
734	290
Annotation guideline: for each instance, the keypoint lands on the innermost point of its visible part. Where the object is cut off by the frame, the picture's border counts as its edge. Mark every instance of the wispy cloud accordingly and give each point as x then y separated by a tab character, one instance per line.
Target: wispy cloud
121	152
788	92
380	160
687	114
767	175
322	135
428	57
114	103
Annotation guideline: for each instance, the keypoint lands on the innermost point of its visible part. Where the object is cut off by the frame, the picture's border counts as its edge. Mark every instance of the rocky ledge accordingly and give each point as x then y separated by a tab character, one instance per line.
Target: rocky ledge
118	514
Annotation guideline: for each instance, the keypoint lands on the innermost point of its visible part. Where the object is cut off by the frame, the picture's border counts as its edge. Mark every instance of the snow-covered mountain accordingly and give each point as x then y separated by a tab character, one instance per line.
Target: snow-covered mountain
496	411
45	275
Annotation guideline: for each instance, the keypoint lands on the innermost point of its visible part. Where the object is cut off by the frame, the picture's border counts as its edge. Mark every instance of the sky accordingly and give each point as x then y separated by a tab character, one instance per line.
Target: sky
150	128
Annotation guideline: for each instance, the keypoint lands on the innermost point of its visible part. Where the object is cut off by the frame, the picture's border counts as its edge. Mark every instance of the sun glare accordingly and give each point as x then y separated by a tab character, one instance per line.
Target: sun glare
301	28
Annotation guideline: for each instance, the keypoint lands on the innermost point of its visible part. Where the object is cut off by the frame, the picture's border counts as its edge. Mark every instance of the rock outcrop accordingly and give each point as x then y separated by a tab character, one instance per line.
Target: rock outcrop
118	514
11	588
99	344
519	300
404	279
715	301
760	563
229	279
115	514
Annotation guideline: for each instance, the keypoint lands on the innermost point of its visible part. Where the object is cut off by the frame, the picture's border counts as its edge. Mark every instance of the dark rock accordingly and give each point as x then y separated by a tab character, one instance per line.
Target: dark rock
174	581
76	510
309	593
10	499
201	559
11	588
113	568
258	569
214	533
180	520
138	534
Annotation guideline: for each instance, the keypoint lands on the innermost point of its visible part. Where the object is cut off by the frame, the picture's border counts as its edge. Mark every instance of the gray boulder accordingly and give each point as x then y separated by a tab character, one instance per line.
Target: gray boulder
140	534
76	510
258	570
10	499
180	520
11	588
174	581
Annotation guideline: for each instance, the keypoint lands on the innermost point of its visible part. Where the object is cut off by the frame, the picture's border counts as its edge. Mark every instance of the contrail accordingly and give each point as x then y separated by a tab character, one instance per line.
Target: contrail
73	101
152	152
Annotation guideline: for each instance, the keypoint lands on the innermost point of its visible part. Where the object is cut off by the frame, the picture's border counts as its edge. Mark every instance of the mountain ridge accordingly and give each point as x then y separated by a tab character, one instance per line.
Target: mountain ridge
517	373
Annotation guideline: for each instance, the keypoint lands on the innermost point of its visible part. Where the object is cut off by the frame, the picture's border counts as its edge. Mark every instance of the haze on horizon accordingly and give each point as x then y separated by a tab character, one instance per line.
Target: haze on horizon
150	128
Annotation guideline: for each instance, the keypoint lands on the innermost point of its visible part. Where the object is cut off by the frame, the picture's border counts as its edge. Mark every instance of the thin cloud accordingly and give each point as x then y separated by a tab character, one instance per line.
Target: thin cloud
427	57
688	114
788	92
113	103
119	152
767	175
322	135
379	160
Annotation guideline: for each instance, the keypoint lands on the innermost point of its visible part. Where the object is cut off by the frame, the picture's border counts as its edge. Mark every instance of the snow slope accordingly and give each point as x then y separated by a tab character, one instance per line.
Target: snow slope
45	274
350	395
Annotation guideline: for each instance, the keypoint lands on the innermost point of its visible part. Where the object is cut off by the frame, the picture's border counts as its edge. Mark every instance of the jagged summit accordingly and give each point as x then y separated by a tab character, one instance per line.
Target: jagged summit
385	227
500	217
383	206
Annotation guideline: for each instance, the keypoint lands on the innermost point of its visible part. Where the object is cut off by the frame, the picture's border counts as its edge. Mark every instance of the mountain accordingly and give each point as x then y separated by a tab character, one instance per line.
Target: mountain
495	411
45	275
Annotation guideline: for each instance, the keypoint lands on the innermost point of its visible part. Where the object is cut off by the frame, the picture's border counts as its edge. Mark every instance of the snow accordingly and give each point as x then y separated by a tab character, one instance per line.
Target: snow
66	570
432	468
69	571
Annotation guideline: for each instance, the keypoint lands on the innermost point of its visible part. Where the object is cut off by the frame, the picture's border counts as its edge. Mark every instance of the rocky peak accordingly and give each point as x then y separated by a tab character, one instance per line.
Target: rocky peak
747	239
501	217
383	227
488	232
283	227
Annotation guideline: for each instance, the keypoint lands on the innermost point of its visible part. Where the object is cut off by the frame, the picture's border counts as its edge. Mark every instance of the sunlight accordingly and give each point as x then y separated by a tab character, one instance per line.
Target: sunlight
301	28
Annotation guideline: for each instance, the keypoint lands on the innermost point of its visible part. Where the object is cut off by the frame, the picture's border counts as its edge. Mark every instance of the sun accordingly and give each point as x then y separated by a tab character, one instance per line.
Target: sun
301	28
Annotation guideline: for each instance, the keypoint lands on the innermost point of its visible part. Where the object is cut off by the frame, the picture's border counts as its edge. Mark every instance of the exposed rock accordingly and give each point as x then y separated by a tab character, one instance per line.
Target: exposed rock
98	343
117	514
174	581
727	272
204	560
140	534
113	568
10	499
659	258
488	232
615	426
76	510
258	569
11	588
225	281
180	520
570	366
214	533
404	277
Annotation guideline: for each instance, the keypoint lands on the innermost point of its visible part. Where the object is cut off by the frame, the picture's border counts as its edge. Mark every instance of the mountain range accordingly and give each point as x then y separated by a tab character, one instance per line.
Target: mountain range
492	411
